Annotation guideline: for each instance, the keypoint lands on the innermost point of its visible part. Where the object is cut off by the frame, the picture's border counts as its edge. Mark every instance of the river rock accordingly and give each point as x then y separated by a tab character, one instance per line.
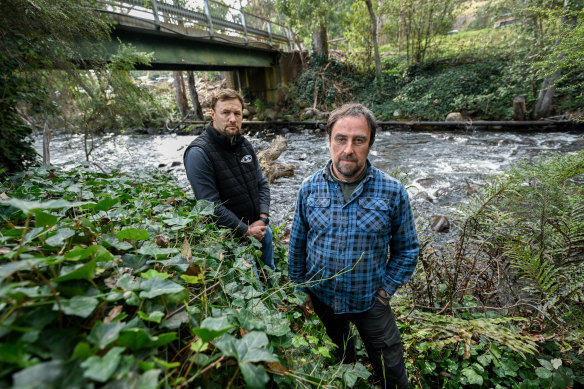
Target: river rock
270	115
322	115
245	113
308	113
176	163
429	181
439	223
423	196
454	117
440	192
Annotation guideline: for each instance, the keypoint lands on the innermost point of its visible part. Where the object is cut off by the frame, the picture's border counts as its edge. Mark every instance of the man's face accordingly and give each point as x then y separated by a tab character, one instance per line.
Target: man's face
349	147
227	117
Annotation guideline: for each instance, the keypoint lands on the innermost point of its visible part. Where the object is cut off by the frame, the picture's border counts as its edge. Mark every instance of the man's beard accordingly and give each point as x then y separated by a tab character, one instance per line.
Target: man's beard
347	173
229	131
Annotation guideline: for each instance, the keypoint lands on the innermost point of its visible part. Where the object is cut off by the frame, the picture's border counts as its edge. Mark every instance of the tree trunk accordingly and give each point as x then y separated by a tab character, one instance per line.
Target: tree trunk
194	96
519	109
46	145
181	97
271	169
320	41
401	32
374	39
543	107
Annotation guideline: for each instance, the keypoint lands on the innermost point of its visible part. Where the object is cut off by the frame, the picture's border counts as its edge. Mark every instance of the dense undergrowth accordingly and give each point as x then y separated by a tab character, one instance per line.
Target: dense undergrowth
118	280
481	87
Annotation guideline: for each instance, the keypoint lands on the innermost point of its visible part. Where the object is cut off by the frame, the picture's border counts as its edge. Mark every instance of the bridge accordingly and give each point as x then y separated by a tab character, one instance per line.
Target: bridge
205	35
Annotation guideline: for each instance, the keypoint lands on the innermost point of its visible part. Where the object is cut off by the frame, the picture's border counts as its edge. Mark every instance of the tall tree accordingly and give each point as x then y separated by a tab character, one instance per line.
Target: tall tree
194	95
309	19
568	36
37	35
374	38
180	93
263	8
419	22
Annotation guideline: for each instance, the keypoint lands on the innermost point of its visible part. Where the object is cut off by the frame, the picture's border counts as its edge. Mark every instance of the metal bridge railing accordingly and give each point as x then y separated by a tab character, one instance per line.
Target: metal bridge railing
218	20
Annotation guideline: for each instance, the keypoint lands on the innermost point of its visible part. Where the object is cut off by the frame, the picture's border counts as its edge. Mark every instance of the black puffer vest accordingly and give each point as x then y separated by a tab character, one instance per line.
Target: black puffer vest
235	166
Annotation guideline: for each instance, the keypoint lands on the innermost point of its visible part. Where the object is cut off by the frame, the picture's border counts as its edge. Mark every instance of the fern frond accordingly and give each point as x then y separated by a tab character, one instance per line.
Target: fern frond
439	331
539	272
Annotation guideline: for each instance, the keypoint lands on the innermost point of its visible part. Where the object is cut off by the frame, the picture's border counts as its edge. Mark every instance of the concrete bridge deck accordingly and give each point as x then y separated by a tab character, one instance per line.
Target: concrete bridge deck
206	35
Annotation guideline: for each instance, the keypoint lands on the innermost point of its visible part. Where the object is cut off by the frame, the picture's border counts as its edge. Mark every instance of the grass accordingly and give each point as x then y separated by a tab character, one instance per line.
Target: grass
484	42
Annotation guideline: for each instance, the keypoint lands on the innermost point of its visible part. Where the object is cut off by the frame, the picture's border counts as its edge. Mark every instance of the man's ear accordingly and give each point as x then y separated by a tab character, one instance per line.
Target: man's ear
212	112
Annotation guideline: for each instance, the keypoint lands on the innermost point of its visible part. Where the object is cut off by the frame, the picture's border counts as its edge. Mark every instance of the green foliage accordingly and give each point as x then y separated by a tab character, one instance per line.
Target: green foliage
520	248
487	366
478	87
110	100
414	23
33	36
322	85
483	89
306	16
119	280
565	49
357	41
16	151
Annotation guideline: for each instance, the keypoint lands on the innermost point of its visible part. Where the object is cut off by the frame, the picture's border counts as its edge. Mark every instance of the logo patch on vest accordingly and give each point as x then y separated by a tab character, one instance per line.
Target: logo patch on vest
246	159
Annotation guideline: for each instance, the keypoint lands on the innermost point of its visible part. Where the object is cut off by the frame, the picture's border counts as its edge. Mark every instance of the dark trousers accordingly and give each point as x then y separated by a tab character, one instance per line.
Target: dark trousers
380	336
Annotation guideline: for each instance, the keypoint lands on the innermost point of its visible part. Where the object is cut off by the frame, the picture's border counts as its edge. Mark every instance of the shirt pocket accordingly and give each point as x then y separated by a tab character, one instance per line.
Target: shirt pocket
373	214
318	212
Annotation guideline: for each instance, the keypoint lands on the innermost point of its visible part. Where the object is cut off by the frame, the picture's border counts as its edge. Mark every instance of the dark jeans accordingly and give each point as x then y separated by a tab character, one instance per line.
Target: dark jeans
380	336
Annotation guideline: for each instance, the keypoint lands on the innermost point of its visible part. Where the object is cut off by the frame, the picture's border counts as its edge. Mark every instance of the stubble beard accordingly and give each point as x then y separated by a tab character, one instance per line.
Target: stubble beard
229	131
347	173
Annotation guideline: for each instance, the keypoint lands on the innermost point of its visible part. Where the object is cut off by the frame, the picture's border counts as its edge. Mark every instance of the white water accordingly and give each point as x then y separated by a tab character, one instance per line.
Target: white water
441	164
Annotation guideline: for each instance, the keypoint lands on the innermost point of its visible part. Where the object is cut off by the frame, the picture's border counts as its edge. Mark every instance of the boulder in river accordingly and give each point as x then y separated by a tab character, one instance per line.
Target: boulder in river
423	196
308	113
270	115
439	223
454	117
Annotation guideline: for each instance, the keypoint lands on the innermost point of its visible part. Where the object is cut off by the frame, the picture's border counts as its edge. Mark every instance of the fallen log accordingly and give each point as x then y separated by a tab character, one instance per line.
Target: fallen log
267	158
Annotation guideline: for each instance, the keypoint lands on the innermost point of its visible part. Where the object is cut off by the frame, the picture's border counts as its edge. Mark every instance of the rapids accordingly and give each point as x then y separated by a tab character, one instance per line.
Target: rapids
441	168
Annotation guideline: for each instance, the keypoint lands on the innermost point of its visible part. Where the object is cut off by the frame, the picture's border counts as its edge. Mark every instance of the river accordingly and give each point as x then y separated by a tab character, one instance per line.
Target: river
441	167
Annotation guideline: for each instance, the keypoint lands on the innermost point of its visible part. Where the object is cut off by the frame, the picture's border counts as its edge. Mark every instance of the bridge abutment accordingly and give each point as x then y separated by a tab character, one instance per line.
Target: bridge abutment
266	84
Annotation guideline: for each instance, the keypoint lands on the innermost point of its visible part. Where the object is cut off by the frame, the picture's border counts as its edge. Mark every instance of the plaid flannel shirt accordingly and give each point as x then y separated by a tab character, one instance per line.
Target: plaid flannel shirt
339	251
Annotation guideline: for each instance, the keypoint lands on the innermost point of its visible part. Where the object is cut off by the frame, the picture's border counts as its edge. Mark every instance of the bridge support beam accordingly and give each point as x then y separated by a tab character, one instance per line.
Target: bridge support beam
266	84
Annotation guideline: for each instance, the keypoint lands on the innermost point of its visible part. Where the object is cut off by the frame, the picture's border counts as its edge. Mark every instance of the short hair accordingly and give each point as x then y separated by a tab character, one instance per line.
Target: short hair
225	94
354	110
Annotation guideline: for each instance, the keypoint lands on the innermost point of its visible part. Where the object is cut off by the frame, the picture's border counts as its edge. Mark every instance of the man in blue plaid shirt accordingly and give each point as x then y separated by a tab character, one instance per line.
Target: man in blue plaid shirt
348	215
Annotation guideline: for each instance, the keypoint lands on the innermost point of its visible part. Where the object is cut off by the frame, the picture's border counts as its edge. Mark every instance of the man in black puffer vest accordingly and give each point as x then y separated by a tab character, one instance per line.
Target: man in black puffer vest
223	168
